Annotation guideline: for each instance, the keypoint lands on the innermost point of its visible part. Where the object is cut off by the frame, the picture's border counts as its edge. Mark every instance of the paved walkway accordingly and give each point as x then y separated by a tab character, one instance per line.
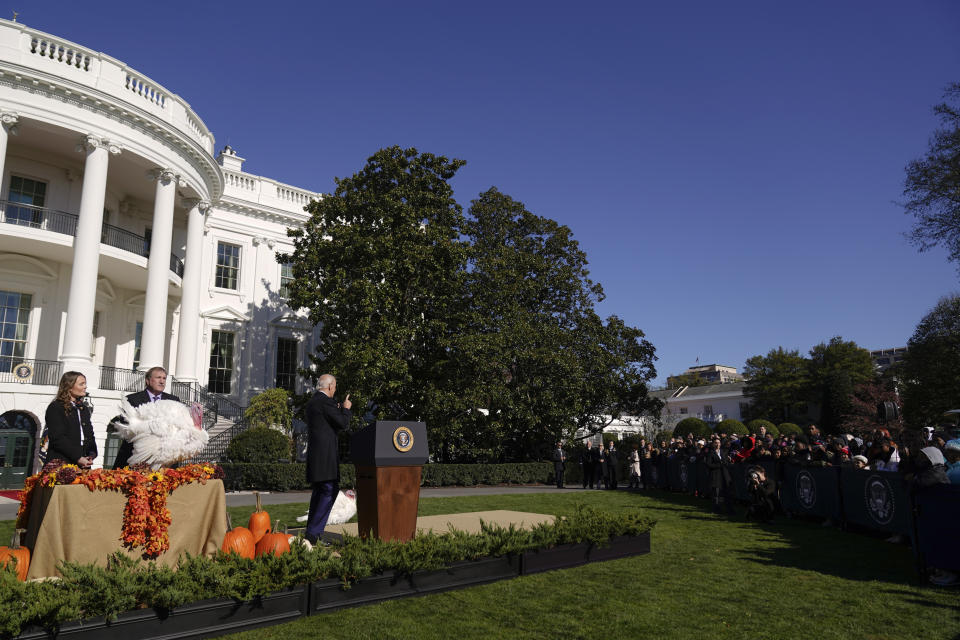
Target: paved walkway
8	507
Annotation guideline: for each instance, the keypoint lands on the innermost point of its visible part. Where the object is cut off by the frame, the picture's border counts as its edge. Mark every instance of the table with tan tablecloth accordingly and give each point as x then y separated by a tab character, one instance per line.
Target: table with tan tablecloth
72	523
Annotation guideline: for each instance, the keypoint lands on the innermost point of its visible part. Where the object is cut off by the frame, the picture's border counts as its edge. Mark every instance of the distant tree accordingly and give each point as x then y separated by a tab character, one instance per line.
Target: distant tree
862	413
687	380
932	186
836	368
930	371
776	383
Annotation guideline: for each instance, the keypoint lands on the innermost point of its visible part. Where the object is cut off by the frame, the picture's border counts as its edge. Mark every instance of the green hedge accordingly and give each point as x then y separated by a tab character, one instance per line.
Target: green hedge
696	426
787	428
730	426
292	476
754	427
259	445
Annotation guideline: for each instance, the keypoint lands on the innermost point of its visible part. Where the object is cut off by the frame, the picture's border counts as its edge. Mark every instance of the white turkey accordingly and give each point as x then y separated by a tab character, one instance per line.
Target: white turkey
163	432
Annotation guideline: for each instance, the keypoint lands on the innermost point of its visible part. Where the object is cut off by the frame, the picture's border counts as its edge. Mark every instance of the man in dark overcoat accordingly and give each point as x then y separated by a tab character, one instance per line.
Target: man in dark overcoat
559	464
586	464
721	483
156	381
324	419
613	465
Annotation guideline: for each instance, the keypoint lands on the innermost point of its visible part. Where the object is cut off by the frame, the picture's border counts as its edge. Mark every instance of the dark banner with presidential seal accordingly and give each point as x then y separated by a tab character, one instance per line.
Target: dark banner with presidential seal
877	500
813	491
938	526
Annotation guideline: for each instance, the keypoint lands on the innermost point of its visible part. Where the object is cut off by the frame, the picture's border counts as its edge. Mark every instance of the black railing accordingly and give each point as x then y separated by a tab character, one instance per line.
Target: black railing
123	239
27	215
27	371
117	379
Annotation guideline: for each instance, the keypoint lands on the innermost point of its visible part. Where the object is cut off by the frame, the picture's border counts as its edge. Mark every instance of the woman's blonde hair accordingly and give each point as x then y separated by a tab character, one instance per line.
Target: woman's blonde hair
67	380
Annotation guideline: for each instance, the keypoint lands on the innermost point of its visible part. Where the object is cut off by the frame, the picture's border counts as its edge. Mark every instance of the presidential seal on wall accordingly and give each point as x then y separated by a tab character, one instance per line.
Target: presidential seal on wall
403	439
23	372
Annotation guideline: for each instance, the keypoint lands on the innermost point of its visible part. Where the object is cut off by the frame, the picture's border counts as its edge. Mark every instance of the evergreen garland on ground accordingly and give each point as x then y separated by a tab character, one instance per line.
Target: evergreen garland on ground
88	591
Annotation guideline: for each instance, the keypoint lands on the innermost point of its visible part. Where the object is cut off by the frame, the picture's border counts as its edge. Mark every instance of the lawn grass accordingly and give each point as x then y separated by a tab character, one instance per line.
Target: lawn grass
706	577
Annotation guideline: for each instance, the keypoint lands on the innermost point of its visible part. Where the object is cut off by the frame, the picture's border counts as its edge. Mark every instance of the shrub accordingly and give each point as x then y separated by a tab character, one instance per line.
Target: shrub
789	428
696	426
730	426
292	476
271	407
259	445
754	426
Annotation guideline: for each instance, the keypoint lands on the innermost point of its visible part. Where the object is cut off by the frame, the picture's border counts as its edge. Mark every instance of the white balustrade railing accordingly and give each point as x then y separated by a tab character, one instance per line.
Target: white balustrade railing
101	73
146	90
61	52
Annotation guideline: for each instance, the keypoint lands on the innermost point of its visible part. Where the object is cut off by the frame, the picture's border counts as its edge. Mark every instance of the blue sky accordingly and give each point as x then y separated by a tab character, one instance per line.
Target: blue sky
731	169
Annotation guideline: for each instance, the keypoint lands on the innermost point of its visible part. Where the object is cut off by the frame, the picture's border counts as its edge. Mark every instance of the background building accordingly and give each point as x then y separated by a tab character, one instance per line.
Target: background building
126	243
709	373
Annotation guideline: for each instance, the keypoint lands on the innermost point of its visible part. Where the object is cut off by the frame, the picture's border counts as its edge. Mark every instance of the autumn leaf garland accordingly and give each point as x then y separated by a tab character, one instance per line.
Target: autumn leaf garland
146	518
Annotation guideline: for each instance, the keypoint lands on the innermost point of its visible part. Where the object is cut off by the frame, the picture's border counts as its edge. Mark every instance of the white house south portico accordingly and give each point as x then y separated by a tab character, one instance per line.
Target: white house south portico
125	243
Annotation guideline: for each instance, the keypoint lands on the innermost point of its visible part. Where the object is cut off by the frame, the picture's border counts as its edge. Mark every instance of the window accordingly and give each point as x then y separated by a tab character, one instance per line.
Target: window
708	409
228	266
137	336
286	364
221	361
744	406
30	193
286	277
683	410
14	321
111	446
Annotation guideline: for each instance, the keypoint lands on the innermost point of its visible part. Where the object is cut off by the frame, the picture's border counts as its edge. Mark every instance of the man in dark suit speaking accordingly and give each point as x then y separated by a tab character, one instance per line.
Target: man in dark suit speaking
324	419
156	381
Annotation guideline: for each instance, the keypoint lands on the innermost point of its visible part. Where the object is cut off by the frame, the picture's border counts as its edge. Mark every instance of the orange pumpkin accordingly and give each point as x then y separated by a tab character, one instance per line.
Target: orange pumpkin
18	553
259	524
275	543
238	540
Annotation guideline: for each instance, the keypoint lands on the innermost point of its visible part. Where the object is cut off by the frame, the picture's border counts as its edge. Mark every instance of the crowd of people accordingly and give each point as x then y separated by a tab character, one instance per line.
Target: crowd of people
923	458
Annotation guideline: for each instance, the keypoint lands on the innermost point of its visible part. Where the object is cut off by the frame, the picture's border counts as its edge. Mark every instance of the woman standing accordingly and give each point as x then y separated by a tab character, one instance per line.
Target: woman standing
68	423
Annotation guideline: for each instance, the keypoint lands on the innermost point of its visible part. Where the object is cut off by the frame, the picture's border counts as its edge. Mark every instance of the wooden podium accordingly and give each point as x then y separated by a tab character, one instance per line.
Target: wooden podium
388	456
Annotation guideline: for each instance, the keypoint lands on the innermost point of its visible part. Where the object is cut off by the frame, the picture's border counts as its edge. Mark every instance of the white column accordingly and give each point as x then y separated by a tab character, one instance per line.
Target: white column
86	258
158	270
190	299
8	127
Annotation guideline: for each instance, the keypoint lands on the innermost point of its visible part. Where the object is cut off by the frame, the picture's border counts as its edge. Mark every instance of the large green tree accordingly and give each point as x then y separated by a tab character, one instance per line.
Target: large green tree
836	369
379	267
930	371
932	186
484	327
538	359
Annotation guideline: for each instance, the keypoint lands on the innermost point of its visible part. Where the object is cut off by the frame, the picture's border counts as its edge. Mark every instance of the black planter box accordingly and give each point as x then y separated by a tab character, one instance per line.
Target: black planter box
203	619
330	594
467	573
572	555
210	618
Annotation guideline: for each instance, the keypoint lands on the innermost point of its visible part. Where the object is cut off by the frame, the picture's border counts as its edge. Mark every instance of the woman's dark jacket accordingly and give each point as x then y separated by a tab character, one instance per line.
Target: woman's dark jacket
70	433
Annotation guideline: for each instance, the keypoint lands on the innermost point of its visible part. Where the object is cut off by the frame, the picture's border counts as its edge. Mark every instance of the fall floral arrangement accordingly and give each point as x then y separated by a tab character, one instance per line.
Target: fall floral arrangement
146	517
